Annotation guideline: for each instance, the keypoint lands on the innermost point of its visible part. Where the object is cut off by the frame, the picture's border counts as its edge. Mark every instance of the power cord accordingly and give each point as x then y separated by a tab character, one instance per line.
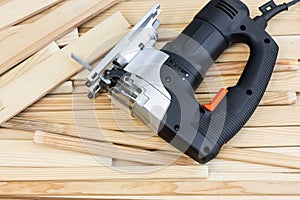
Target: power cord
270	10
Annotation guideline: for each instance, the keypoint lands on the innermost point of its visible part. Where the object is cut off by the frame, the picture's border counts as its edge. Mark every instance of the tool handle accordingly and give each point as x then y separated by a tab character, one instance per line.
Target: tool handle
198	132
242	99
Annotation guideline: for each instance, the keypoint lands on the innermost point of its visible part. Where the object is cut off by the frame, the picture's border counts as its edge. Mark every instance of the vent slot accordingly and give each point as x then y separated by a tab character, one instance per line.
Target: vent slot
227	8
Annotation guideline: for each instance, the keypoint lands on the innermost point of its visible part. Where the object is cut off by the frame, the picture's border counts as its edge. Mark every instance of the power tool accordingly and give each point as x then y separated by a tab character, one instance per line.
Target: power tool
158	86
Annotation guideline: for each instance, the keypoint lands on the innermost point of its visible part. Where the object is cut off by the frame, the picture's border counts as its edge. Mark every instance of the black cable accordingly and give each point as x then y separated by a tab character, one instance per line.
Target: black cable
292	3
270	9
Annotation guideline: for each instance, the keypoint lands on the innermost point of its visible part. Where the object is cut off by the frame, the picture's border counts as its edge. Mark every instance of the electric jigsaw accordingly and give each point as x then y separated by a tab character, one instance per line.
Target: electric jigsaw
158	86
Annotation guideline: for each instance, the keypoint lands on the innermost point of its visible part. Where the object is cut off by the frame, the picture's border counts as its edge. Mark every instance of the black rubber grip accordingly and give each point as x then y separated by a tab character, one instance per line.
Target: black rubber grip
198	132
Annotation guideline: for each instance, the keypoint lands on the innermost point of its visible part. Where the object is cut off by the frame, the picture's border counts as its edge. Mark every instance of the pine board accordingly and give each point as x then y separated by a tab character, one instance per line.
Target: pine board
15	11
49	28
24	153
148	188
120	120
247	137
17	96
103	173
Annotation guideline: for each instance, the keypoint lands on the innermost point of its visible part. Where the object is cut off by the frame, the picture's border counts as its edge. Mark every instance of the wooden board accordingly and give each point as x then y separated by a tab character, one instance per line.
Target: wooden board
15	11
148	188
260	157
24	153
18	95
120	120
68	38
104	173
114	151
49	28
65	88
247	137
28	64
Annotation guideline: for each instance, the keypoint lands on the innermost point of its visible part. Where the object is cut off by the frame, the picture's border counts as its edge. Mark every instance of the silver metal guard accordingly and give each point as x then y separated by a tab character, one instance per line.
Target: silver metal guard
141	91
142	35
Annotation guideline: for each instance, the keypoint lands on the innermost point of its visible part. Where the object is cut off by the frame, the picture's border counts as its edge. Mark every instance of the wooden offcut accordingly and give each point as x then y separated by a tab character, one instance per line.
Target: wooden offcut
15	11
21	45
28	64
266	158
18	95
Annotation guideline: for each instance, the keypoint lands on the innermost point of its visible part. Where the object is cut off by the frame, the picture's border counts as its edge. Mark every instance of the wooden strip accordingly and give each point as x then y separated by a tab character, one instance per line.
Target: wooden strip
170	197
24	153
150	141
266	137
274	159
239	167
290	151
12	134
15	11
11	31
120	120
28	64
148	188
113	151
58	67
247	137
276	177
40	33
100	173
65	88
134	10
68	38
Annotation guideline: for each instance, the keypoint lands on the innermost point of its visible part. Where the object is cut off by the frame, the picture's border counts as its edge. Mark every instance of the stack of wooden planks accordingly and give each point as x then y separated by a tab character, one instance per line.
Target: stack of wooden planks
56	143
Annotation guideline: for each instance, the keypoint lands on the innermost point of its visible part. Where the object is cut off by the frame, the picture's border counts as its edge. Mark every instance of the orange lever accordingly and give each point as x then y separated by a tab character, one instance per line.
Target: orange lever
216	100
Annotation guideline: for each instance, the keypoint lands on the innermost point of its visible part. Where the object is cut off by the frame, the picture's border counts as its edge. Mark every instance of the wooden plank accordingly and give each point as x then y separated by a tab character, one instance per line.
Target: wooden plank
15	11
52	26
28	64
170	197
252	156
134	10
102	173
247	137
148	188
11	31
65	88
24	153
239	167
12	134
266	137
68	38
150	141
58	67
111	150
120	120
